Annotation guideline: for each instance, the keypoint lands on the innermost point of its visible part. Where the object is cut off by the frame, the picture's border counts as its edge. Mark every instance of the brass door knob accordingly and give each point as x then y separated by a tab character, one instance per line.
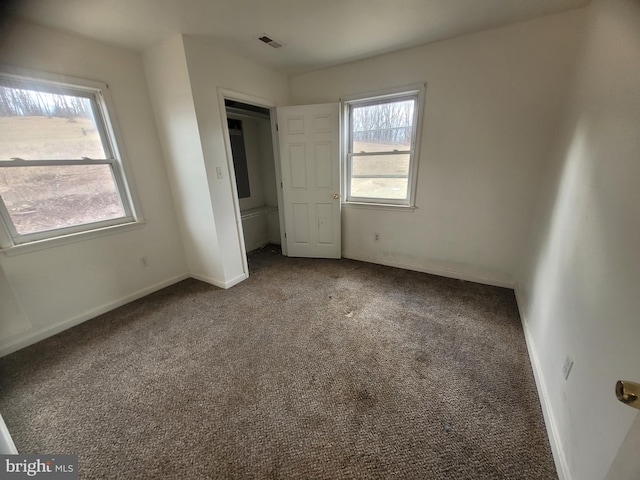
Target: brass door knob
628	393
336	196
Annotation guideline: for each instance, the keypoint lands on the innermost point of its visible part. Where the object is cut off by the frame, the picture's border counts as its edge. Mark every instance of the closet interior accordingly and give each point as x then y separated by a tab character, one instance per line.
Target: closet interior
251	141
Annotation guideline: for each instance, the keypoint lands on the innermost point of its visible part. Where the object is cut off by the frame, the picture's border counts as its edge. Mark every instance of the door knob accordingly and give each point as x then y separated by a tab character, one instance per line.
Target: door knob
336	196
628	393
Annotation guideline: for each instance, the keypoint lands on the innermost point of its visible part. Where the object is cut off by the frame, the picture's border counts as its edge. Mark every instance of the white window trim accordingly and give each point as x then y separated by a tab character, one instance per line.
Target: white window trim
371	97
10	242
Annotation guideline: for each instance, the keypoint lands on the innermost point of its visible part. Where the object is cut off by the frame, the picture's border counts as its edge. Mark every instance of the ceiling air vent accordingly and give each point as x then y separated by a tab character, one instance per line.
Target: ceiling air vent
270	41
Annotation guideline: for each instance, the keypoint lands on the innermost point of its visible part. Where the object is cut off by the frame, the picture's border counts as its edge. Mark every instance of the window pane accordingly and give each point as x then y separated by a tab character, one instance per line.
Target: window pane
380	176
381	165
44	198
382	127
45	126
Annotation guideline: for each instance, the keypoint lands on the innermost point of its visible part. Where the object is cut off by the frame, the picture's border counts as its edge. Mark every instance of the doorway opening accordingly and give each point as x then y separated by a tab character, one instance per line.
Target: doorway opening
250	130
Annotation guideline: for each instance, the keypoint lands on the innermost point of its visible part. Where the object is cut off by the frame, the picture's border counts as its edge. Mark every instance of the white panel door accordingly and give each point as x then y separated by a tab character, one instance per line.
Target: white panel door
308	138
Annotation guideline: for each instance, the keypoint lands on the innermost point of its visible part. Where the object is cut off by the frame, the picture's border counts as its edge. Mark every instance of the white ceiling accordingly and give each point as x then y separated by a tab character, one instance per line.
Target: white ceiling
316	33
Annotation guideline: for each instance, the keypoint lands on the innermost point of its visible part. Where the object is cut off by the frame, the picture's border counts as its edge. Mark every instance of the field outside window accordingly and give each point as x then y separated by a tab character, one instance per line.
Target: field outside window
381	148
59	169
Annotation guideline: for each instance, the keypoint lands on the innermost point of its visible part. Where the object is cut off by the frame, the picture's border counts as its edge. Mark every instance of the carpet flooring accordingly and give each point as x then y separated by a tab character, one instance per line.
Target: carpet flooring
328	369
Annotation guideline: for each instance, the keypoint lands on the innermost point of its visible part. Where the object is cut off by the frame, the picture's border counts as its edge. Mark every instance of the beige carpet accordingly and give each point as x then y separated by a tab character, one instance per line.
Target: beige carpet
330	369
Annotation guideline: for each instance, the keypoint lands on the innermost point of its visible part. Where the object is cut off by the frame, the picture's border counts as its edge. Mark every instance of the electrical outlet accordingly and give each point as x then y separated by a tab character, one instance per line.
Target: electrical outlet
376	237
144	261
566	368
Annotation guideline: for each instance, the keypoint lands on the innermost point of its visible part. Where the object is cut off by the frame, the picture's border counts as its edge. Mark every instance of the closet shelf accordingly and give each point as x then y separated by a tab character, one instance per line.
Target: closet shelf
254	212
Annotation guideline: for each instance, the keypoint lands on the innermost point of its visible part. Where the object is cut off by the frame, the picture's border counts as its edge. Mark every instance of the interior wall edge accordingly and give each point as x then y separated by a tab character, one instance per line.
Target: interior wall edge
225	284
22	340
557	450
485	280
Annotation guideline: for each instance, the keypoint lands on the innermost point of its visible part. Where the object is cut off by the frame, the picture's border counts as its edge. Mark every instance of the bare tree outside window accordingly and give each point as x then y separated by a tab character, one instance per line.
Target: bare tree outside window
57	166
381	148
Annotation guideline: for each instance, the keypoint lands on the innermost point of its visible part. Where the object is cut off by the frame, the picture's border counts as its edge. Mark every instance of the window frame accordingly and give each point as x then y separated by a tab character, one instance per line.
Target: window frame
98	95
414	91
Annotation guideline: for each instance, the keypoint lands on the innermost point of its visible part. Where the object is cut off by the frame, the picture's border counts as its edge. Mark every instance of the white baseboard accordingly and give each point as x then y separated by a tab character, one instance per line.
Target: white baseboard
236	280
434	271
552	429
220	283
21	340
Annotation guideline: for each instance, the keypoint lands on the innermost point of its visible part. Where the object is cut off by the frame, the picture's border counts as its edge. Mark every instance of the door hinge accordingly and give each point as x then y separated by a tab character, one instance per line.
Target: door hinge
285	234
277	129
281	185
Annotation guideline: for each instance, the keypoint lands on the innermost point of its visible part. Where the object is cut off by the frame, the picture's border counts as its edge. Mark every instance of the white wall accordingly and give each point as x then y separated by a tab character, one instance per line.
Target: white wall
170	88
212	68
54	288
184	77
579	286
492	104
495	102
627	461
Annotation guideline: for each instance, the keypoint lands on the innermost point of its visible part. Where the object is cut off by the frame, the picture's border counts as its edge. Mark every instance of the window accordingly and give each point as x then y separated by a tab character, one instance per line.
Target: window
60	171
381	147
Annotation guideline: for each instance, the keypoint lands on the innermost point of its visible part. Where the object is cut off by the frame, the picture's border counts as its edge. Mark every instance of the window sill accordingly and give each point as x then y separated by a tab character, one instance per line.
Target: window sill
71	238
380	206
